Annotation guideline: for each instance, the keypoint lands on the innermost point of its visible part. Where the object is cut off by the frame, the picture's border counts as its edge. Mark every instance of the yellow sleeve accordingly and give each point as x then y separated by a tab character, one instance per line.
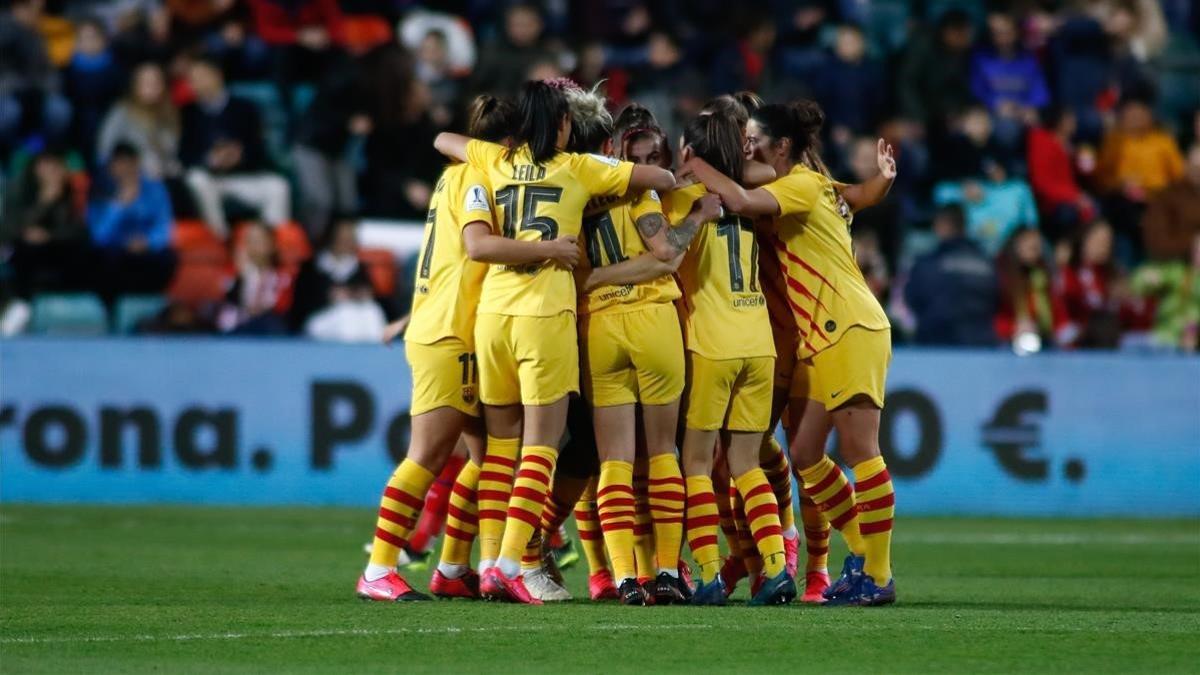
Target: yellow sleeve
601	175
473	203
796	193
645	204
482	154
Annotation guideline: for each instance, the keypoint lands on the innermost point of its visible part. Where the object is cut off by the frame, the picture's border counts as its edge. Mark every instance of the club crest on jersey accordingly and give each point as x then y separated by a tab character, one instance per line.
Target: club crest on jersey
468	394
476	199
843	209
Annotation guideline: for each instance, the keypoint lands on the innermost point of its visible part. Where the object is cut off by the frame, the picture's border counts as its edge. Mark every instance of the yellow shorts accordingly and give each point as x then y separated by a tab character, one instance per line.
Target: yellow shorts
856	365
531	360
732	394
632	357
444	374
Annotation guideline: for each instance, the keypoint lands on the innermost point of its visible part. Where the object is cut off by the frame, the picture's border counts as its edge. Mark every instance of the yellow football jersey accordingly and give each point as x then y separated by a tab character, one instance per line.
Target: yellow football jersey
725	310
448	283
535	202
612	236
826	289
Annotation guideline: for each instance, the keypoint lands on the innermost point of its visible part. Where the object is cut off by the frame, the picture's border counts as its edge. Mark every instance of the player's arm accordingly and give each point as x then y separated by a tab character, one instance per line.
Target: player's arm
872	191
452	145
636	270
755	202
756	173
650	178
667	242
484	246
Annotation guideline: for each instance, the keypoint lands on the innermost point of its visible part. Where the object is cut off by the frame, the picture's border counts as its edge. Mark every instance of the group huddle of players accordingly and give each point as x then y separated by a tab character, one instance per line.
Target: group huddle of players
611	337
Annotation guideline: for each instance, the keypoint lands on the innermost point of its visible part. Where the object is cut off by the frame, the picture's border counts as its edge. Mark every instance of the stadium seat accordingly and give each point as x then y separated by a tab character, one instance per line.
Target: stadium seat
381	267
68	314
133	309
292	241
198	283
194	242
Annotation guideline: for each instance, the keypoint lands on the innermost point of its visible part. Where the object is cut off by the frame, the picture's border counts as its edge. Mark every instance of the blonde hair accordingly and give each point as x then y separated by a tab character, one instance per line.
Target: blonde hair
591	121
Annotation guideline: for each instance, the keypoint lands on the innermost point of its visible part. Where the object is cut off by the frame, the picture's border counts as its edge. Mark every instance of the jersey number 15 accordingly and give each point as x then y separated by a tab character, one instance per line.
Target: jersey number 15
526	198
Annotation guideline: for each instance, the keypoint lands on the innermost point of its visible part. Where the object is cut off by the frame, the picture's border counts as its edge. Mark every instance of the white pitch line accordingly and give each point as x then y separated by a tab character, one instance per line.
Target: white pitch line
1048	539
338	632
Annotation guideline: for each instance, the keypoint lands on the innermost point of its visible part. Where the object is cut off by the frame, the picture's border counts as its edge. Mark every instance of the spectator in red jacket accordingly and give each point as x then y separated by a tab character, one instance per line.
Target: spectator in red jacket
1095	290
1063	204
1033	313
304	36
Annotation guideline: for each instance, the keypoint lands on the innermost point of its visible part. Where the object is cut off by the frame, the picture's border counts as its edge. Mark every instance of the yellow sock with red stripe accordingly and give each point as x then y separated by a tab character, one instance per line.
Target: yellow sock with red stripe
876	502
667	499
529	492
832	494
462	517
495	488
702	521
564	494
531	559
643	525
398	509
751	558
587	522
762	514
816	535
616	506
724	502
774	463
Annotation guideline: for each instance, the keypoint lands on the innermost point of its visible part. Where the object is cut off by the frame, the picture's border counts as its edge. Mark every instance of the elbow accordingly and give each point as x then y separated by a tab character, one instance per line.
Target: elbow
442	143
663	251
475	250
664	181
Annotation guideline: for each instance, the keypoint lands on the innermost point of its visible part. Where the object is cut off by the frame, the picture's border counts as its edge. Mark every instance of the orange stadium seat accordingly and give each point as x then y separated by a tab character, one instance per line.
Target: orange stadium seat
198	283
194	242
381	267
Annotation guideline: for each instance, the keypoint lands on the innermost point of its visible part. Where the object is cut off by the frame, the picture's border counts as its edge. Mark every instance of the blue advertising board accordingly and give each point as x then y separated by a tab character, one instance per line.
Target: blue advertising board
292	422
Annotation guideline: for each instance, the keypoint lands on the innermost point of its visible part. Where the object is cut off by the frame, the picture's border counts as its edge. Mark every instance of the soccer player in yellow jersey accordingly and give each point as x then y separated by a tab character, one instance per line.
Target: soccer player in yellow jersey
440	350
632	355
525	330
731	360
843	336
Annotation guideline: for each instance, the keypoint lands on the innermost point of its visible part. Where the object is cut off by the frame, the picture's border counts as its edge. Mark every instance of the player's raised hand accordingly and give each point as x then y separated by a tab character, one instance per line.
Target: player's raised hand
563	251
708	207
886	160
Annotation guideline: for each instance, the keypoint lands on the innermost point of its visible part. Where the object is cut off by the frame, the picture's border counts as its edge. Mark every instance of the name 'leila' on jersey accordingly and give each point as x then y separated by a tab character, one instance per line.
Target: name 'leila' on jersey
528	172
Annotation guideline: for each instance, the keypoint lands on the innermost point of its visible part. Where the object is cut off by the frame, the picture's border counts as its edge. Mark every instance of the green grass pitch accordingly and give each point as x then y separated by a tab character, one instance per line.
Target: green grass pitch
182	589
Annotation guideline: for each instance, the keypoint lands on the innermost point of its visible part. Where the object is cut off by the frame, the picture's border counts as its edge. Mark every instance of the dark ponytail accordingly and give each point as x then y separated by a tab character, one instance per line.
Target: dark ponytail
716	139
800	122
492	119
541	109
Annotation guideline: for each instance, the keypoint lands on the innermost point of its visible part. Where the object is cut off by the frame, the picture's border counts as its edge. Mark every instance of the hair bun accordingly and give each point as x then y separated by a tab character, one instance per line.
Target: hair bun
807	116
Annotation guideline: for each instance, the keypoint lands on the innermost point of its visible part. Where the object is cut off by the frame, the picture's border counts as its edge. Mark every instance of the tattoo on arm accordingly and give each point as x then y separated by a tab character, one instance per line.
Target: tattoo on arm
680	236
649	225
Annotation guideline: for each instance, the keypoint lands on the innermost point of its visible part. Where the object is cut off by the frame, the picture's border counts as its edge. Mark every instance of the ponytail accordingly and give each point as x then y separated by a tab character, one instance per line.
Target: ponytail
716	139
541	108
491	119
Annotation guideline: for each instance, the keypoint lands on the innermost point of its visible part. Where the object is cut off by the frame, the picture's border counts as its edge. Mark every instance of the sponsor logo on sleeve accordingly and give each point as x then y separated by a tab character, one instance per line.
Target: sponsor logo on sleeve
476	199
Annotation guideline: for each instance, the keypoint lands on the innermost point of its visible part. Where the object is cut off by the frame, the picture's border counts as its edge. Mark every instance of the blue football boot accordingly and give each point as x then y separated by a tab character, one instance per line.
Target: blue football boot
778	590
871	595
712	593
851	570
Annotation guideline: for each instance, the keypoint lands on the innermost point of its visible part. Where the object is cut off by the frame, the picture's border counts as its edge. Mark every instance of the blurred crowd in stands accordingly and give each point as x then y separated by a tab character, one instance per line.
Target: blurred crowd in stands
201	165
